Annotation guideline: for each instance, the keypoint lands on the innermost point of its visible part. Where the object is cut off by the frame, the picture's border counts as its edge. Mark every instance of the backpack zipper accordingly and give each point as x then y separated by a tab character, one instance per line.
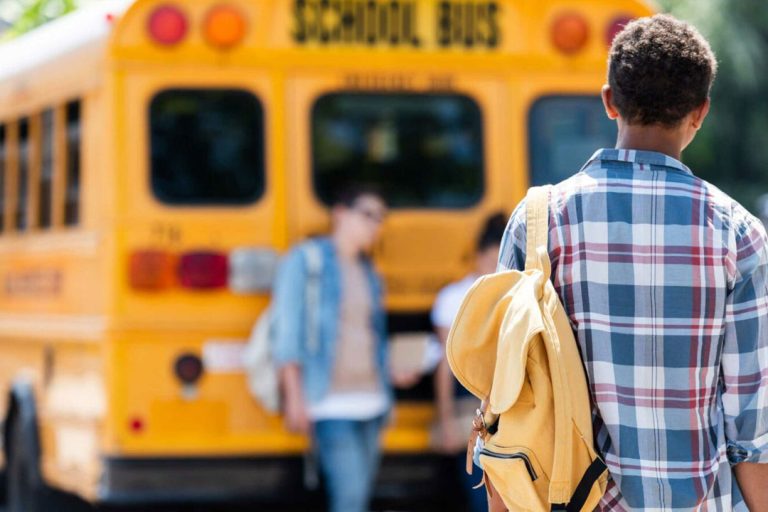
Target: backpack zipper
518	455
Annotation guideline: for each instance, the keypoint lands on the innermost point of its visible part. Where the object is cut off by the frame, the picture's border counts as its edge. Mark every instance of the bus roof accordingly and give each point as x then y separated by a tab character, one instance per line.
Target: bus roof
77	38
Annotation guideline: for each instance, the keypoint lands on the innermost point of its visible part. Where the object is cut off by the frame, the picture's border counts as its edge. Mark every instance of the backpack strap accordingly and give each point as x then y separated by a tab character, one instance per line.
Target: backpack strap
580	495
537	229
313	256
537	258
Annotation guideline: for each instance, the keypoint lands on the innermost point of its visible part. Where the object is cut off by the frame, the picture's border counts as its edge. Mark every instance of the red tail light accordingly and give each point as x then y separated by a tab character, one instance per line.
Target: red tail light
152	270
203	270
167	25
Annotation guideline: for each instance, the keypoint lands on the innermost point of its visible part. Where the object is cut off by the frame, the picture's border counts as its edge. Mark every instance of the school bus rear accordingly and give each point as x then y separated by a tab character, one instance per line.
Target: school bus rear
230	124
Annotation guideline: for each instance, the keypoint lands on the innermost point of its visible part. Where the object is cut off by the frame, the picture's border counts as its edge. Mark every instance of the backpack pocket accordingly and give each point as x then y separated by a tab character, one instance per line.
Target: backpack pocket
517	476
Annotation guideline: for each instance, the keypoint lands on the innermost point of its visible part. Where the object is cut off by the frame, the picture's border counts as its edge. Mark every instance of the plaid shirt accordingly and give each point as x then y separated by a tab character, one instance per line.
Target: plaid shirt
665	280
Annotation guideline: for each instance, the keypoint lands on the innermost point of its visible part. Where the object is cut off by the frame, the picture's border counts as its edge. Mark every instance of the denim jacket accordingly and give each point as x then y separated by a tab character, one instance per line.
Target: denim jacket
289	319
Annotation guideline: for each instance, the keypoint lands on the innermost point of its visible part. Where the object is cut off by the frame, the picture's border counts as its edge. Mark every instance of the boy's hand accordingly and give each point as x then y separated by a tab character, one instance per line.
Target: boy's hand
451	441
295	412
405	379
296	416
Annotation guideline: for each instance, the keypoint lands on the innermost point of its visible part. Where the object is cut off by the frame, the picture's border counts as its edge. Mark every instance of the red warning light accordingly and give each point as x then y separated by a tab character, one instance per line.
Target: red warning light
167	25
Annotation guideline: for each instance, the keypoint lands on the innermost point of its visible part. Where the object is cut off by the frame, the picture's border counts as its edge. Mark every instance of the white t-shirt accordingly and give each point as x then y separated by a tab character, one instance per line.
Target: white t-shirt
359	406
448	301
444	310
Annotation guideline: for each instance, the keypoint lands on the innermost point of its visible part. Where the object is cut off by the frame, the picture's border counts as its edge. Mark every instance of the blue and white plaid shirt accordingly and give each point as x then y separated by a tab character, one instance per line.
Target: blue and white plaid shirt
665	280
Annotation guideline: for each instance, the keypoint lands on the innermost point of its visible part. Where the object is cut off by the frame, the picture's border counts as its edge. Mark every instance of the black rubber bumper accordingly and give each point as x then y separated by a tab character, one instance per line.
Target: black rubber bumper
420	482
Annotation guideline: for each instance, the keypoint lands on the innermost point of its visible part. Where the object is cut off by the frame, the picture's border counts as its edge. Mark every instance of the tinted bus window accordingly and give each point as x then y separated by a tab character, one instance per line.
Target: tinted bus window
74	137
421	151
45	200
3	167
21	193
564	132
207	146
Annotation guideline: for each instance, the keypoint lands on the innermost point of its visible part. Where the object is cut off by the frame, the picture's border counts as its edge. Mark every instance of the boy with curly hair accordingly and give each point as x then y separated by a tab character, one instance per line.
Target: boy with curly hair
665	280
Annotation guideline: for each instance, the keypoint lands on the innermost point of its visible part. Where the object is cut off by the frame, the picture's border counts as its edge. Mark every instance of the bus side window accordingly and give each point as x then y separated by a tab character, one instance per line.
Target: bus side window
74	134
3	157
45	198
22	193
564	131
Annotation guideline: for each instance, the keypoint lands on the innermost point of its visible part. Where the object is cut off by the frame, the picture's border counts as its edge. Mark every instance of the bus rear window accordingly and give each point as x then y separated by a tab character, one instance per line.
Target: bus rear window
564	132
207	146
421	151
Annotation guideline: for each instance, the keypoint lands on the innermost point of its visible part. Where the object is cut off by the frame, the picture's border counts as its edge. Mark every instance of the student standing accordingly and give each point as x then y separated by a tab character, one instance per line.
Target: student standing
665	280
455	405
337	388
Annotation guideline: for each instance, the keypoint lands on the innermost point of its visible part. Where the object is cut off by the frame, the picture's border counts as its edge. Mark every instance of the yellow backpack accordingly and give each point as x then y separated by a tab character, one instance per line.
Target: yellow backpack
512	346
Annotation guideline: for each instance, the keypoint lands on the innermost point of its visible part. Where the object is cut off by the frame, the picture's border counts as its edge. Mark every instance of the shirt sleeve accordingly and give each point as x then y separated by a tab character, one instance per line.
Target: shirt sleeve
441	315
744	363
512	252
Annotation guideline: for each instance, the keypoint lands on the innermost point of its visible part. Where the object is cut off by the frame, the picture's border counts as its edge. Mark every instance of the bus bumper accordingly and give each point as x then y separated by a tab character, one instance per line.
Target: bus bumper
424	481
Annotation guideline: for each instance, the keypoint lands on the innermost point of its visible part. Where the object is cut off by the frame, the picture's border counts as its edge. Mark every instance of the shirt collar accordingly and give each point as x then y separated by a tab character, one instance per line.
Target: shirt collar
644	159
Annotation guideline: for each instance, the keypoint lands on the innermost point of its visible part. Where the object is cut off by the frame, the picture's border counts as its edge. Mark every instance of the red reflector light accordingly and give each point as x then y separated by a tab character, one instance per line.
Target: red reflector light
570	33
152	270
167	25
203	270
136	425
616	26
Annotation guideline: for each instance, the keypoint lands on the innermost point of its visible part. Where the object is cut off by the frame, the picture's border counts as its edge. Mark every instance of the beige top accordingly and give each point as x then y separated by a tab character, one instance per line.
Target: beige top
355	368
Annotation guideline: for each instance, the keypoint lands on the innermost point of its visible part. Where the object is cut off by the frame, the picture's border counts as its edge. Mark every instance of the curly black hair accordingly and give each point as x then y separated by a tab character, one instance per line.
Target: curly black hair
660	69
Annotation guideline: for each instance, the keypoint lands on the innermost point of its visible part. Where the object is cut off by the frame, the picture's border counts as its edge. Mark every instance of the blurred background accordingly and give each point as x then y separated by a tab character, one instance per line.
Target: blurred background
730	151
157	158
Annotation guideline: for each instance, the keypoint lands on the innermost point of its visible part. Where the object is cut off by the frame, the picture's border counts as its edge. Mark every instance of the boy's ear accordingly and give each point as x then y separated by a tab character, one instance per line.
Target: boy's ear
700	114
610	109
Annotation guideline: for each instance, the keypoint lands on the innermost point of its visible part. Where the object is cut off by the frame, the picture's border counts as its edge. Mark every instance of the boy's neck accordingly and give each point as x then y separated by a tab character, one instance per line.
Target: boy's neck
669	141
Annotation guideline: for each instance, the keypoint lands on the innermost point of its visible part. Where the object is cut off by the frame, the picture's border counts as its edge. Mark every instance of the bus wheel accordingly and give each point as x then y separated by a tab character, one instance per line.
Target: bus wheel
25	491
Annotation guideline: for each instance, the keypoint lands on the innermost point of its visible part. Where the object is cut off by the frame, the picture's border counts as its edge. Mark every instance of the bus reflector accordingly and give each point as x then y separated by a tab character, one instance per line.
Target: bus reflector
136	425
616	26
224	27
203	270
570	33
152	270
167	25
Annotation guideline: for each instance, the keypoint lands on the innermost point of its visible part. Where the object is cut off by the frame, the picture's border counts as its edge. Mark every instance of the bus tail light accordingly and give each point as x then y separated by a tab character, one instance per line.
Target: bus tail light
167	25
205	270
570	33
152	270
224	27
616	26
251	270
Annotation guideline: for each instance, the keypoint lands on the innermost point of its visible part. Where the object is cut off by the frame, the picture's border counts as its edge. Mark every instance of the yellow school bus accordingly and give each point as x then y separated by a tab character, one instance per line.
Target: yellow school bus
157	157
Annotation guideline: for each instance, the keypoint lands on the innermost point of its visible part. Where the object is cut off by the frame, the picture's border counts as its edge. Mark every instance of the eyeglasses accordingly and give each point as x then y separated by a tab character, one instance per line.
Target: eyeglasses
375	216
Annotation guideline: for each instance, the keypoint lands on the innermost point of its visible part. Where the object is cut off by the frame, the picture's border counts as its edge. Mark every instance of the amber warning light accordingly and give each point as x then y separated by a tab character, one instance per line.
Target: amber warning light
224	27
